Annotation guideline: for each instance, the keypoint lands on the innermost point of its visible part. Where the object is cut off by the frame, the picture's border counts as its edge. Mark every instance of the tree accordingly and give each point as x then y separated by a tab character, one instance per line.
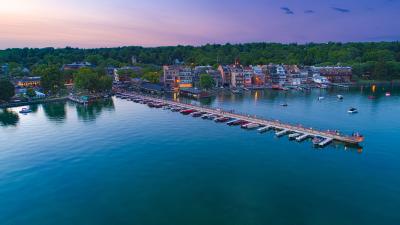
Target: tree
30	92
206	81
153	77
90	80
7	90
52	79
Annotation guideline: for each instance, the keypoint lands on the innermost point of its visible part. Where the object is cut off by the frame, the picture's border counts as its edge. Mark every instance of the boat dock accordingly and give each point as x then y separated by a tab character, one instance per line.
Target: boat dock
265	124
264	129
302	137
325	142
281	133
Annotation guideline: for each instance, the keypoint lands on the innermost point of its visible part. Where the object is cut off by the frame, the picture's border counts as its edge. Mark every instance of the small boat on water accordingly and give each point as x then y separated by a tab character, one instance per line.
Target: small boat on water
187	111
222	119
197	114
352	110
388	94
25	111
294	136
317	140
206	116
340	97
176	109
320	98
250	126
284	104
237	123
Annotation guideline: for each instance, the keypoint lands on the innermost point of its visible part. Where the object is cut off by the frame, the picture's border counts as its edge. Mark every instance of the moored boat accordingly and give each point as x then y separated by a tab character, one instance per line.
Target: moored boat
187	111
197	114
222	119
237	123
352	110
250	126
294	136
317	140
25	111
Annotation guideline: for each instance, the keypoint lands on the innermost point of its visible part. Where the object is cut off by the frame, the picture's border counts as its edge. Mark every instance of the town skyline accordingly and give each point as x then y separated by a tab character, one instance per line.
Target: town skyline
91	24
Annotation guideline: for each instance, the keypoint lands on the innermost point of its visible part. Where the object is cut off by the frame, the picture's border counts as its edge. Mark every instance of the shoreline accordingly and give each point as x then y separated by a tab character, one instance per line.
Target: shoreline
41	101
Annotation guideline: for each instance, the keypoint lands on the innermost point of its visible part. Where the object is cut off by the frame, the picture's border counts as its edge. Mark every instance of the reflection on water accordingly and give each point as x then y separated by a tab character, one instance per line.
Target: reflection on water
8	118
55	111
34	108
92	111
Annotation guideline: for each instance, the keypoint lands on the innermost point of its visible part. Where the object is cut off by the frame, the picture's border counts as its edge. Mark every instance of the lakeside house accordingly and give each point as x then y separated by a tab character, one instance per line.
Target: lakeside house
27	82
335	74
225	74
177	76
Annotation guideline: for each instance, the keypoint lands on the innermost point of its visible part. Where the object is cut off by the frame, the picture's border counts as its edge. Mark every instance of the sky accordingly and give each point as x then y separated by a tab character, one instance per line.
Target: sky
112	23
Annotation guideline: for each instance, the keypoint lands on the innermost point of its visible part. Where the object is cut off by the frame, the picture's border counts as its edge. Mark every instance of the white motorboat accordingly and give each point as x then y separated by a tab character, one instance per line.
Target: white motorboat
25	111
352	110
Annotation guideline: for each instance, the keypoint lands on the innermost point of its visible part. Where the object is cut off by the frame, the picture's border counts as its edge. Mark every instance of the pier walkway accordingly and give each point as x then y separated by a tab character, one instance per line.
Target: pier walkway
328	136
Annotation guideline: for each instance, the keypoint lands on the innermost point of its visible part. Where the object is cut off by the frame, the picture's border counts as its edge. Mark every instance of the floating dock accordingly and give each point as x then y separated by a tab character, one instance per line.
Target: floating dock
264	129
266	124
281	133
302	137
325	142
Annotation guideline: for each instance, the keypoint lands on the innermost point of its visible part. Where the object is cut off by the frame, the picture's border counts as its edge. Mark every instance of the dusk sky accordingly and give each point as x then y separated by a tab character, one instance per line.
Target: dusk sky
100	23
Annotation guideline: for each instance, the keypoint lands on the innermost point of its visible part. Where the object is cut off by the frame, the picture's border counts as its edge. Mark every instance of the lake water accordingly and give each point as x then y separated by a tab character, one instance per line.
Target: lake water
119	162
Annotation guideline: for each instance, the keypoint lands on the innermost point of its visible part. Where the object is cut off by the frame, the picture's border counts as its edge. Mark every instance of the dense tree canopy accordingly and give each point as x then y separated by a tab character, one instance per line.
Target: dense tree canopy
92	81
379	60
52	80
7	90
206	81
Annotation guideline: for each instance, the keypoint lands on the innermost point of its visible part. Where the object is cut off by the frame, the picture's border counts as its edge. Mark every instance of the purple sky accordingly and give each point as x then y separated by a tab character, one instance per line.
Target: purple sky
101	23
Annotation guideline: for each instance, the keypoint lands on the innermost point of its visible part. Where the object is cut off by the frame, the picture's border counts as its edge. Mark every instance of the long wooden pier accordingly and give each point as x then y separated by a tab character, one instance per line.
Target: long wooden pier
328	136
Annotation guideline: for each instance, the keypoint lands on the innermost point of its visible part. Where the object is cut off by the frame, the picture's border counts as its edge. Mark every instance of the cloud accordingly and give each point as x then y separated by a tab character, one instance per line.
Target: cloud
341	10
309	11
286	10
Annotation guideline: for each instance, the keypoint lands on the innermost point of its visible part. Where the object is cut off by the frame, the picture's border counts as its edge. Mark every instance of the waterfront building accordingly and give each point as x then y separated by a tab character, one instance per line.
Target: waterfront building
237	76
28	82
278	75
258	78
216	76
225	74
76	66
177	76
306	75
336	74
248	77
318	79
267	74
198	70
294	79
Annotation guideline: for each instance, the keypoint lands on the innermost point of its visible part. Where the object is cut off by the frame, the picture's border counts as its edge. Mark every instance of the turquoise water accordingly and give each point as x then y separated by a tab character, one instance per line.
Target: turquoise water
119	162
